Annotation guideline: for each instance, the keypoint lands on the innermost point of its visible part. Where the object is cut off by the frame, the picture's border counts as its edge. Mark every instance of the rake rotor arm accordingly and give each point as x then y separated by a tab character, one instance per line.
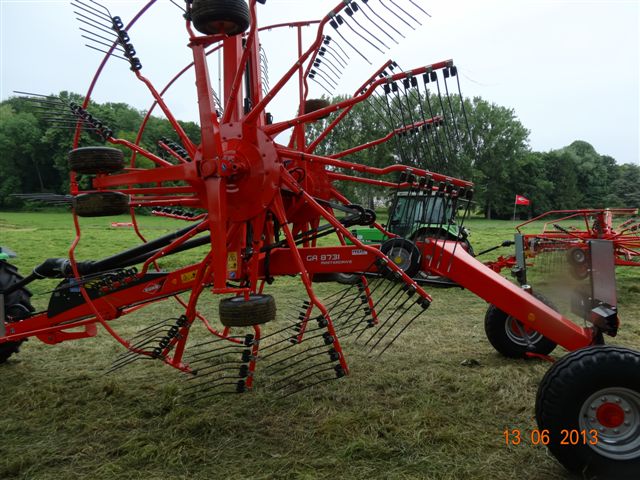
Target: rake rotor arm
231	103
310	158
309	117
474	276
262	105
346	111
386	138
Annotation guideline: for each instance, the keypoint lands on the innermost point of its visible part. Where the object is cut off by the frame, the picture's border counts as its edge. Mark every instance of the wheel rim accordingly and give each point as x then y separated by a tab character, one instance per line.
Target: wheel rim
519	334
401	257
615	414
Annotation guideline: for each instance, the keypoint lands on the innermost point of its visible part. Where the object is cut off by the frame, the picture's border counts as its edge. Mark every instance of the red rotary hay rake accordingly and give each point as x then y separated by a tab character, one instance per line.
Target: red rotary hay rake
569	232
258	206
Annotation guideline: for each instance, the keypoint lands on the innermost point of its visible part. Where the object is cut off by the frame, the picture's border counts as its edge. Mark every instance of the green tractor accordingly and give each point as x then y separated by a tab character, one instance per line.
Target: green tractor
416	217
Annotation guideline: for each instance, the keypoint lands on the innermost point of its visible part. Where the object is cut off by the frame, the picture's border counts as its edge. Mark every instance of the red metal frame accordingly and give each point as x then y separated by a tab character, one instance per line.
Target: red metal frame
245	182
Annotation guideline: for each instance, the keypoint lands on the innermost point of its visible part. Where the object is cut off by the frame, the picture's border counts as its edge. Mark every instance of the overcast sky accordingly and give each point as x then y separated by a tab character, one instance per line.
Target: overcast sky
569	68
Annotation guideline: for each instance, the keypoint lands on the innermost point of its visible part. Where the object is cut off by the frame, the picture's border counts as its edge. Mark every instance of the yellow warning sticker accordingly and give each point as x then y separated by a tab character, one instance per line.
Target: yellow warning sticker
189	276
232	261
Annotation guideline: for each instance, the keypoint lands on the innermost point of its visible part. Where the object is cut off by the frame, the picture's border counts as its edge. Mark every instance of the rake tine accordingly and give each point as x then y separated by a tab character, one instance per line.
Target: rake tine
325	88
328	39
352	47
397	16
407	13
398	334
276	372
106	53
307	369
204	359
92	13
294	355
106	15
199	373
378	26
324	50
93	24
393	324
179	6
108	45
383	20
363	37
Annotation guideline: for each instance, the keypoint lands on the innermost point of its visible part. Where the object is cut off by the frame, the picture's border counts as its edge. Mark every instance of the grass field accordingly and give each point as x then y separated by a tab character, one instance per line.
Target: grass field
414	413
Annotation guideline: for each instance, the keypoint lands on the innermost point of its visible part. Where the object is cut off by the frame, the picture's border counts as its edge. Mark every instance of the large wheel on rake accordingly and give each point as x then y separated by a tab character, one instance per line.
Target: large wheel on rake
17	305
511	337
589	403
229	17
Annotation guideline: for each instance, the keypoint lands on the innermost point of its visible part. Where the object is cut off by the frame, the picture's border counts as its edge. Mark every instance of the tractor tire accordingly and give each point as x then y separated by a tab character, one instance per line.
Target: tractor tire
589	402
101	204
93	160
17	305
314	104
403	253
228	17
511	338
238	312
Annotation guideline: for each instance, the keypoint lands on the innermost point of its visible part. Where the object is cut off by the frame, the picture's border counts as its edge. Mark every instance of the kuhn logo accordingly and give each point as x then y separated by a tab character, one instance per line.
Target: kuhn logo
153	288
358	252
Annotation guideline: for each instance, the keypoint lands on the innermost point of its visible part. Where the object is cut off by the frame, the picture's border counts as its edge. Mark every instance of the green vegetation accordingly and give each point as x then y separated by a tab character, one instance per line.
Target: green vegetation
414	413
500	162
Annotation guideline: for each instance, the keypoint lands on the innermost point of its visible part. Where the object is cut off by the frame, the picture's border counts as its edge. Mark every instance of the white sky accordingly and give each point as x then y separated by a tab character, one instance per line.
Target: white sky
569	68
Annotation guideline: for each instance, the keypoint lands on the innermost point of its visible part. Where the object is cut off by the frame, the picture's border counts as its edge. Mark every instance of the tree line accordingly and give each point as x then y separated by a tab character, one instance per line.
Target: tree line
496	156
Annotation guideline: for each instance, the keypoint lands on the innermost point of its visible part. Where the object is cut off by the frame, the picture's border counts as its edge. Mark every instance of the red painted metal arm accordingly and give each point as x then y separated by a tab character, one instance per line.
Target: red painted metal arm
260	107
282	126
310	158
386	138
311	148
231	102
444	258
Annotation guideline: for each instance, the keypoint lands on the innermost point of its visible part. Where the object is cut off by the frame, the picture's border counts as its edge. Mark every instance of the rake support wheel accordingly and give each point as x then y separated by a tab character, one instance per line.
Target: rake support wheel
403	253
513	339
17	305
238	312
93	160
595	390
101	204
230	17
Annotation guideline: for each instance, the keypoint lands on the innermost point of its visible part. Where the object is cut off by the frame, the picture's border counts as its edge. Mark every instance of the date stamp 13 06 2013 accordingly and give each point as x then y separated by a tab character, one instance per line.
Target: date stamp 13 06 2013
568	437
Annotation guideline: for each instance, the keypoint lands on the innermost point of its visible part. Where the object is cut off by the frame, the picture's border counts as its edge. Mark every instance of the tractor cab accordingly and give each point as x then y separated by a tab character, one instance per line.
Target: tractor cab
416	216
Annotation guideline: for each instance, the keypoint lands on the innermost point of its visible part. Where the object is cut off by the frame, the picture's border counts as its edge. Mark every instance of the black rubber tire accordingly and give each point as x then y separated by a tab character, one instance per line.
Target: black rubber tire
101	204
17	305
403	250
314	104
93	160
496	323
576	256
229	17
578	263
238	312
563	394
